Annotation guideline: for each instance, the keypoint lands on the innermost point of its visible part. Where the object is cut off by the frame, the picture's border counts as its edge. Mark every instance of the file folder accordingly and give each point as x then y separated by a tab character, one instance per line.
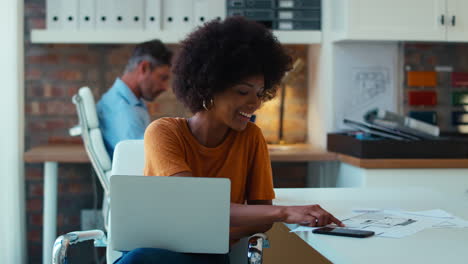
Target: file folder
178	15
87	15
153	15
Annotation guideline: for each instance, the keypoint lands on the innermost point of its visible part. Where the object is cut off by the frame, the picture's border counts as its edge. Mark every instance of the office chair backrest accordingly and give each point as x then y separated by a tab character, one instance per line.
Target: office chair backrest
129	158
92	137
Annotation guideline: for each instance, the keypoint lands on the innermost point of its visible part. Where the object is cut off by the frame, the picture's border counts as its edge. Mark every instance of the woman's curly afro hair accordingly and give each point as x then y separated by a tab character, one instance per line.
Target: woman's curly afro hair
221	54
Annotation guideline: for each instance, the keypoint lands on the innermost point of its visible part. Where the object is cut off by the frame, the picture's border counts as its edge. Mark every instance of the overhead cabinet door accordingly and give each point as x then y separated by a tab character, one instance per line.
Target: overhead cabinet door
457	24
394	20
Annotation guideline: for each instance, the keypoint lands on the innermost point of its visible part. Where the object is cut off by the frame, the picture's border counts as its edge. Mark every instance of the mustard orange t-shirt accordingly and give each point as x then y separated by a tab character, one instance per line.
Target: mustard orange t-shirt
243	157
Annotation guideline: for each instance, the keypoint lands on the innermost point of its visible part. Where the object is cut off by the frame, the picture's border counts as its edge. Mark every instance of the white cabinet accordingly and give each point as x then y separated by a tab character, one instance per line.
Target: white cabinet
405	20
457	20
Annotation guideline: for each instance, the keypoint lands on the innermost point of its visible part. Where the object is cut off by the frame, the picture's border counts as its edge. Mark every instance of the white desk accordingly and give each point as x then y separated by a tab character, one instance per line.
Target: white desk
51	155
428	246
444	175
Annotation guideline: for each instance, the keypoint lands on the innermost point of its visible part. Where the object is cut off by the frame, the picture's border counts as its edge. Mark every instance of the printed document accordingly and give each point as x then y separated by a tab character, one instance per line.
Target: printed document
397	223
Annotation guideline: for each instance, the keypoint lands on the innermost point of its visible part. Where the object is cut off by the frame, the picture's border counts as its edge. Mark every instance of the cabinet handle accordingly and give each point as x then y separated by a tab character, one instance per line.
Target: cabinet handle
442	20
453	20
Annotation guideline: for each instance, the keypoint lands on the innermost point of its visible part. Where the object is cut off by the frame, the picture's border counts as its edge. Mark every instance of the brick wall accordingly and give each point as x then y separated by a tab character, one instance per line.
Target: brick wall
54	72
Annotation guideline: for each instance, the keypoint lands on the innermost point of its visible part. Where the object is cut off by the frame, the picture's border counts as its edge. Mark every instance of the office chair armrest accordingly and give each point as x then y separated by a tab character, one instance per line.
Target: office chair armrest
59	254
75	131
255	248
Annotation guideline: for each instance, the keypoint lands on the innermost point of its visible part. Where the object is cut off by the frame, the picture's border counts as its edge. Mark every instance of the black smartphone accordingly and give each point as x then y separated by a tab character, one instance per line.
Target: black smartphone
338	231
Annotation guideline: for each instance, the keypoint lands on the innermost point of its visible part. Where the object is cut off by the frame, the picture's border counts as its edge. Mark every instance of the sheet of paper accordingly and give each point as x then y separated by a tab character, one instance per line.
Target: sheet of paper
397	223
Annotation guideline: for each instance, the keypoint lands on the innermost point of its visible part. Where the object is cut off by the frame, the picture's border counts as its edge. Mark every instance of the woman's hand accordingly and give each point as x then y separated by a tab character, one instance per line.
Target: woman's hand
308	215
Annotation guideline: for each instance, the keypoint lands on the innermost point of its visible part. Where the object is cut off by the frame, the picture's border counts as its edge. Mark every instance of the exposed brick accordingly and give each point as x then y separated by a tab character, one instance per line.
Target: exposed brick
33	9
60	219
33	173
35	219
76	188
54	91
36	23
34	91
65	139
34	235
36	189
60	108
36	108
34	205
66	75
62	187
36	125
33	74
93	76
81	59
54	124
72	90
43	59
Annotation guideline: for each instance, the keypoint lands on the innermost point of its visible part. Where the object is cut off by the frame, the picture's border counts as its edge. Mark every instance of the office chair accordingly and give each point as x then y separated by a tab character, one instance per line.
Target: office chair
129	160
90	132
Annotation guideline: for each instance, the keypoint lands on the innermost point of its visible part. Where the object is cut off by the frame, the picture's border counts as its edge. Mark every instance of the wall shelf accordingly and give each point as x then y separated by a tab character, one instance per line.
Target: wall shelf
129	36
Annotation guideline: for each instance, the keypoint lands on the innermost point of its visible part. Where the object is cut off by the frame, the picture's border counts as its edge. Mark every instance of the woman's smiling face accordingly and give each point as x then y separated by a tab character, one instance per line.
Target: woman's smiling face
236	104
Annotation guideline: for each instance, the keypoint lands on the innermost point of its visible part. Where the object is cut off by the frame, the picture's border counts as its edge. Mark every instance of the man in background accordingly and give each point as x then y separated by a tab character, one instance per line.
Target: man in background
122	111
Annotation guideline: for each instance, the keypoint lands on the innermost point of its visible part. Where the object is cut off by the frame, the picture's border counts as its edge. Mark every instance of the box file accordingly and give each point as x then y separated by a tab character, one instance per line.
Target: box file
427	98
459	79
459	118
254	14
279	14
106	15
298	14
459	98
297	25
129	14
178	15
250	4
153	15
299	4
422	78
206	10
62	14
87	15
53	16
425	116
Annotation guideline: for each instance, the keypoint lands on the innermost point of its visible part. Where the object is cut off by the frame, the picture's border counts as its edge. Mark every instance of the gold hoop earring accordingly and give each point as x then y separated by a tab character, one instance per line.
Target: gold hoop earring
205	106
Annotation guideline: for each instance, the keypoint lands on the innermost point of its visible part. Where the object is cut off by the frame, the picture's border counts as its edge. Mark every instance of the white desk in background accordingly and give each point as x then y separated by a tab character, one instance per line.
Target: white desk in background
51	155
445	175
443	245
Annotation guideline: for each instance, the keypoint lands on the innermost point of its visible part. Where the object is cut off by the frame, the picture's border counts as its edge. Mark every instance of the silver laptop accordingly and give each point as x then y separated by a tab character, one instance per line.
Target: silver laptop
183	214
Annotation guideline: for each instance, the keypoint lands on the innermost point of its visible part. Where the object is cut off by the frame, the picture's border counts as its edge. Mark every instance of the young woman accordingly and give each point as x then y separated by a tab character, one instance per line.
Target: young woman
223	72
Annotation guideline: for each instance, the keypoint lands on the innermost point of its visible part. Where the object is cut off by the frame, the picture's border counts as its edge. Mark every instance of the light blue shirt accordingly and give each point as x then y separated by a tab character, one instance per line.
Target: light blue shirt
121	115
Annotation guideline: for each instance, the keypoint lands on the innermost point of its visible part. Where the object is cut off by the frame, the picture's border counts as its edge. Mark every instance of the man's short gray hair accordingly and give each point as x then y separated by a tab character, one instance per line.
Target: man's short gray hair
153	51
134	61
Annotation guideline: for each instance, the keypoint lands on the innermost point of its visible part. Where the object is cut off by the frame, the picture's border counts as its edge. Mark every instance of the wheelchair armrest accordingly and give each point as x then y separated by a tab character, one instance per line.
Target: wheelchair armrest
59	254
255	248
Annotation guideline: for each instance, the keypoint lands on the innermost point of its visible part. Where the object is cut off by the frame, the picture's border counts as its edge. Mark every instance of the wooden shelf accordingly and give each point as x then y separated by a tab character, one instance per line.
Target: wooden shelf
403	163
131	36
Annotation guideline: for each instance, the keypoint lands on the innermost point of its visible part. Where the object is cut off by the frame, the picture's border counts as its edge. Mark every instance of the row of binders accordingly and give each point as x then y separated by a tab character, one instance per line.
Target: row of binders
152	15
